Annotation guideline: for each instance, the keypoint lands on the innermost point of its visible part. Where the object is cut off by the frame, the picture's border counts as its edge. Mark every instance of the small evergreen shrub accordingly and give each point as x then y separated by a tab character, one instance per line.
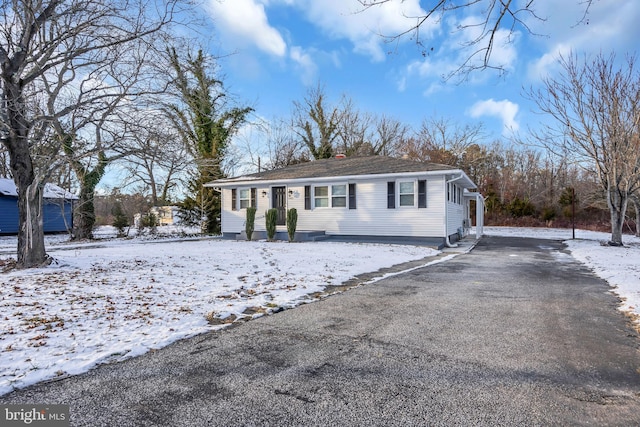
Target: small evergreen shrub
548	213
120	220
271	217
249	225
519	208
148	221
292	223
567	201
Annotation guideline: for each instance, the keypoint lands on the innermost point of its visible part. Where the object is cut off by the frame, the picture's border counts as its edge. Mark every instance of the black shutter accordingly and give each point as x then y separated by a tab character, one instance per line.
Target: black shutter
254	200
422	194
234	196
307	197
391	195
352	196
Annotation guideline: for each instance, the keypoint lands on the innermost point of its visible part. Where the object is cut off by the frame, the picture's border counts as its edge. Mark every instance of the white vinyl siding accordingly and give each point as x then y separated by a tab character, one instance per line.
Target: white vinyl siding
371	218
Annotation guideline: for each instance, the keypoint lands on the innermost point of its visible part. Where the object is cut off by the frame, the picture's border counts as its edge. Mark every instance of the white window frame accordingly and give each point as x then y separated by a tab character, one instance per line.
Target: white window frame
330	196
414	184
326	197
244	199
344	196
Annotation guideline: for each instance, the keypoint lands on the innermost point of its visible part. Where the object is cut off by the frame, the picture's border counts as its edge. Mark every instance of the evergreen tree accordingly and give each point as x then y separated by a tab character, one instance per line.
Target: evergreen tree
206	124
120	220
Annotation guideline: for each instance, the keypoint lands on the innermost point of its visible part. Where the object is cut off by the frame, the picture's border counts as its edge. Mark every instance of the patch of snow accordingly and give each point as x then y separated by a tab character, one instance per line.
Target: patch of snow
51	191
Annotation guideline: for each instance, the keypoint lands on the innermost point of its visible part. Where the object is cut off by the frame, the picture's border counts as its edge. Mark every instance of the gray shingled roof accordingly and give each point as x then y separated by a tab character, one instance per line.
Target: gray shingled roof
350	166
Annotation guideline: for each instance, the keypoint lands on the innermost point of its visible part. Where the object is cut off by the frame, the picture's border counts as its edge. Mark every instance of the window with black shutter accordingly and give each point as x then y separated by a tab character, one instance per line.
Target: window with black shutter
234	198
391	195
422	194
352	196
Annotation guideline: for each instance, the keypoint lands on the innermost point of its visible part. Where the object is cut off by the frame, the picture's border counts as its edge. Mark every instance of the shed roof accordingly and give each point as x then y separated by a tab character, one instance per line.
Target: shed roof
51	191
350	166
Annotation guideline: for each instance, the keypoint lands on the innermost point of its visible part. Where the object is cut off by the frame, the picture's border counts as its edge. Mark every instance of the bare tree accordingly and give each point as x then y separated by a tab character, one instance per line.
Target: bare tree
46	46
388	135
497	16
594	108
157	161
354	131
317	123
441	140
283	147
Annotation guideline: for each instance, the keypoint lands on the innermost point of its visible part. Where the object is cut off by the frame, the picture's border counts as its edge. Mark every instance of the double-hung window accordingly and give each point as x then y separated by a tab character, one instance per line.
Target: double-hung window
321	197
245	198
334	196
339	196
407	193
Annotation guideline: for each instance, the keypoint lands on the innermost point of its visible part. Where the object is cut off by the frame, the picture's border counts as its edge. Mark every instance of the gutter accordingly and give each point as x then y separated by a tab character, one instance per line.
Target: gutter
446	209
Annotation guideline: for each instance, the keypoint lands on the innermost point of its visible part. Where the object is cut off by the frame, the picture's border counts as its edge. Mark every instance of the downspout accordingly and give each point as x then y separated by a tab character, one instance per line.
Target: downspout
447	243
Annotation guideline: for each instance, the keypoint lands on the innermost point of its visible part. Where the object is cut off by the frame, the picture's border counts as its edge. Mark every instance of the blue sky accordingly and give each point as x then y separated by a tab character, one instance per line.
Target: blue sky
281	48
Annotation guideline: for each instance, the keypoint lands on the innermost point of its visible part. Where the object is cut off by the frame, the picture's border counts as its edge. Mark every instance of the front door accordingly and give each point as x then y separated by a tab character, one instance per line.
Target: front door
279	202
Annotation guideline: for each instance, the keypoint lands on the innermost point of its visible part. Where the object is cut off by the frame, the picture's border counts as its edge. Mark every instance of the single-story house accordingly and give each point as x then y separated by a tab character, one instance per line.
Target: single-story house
57	205
376	198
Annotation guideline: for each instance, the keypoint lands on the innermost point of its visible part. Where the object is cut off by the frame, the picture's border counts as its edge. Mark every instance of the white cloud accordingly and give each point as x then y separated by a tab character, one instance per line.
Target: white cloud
505	110
246	22
459	51
548	63
342	19
609	26
305	64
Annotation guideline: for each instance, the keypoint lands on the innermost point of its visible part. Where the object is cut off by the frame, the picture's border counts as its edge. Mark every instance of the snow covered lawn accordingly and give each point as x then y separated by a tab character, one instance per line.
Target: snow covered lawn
106	301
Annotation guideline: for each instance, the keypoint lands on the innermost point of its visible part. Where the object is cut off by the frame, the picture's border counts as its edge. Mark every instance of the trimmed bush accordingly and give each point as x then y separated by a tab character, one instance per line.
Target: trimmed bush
149	220
120	220
292	223
249	225
271	217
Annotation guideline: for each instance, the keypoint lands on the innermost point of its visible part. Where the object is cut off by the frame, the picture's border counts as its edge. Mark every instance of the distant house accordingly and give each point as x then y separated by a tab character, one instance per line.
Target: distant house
164	215
376	198
57	205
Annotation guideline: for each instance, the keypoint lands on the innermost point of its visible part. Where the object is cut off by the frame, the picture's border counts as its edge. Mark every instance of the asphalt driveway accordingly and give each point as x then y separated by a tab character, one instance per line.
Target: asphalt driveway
513	333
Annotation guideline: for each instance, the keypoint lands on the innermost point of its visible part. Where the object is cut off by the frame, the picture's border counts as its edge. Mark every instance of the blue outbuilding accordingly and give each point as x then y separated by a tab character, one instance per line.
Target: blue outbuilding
57	205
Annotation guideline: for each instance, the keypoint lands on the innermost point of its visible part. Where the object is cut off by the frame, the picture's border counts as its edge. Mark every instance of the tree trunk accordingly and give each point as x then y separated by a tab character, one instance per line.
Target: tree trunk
617	207
636	206
85	212
85	215
30	252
